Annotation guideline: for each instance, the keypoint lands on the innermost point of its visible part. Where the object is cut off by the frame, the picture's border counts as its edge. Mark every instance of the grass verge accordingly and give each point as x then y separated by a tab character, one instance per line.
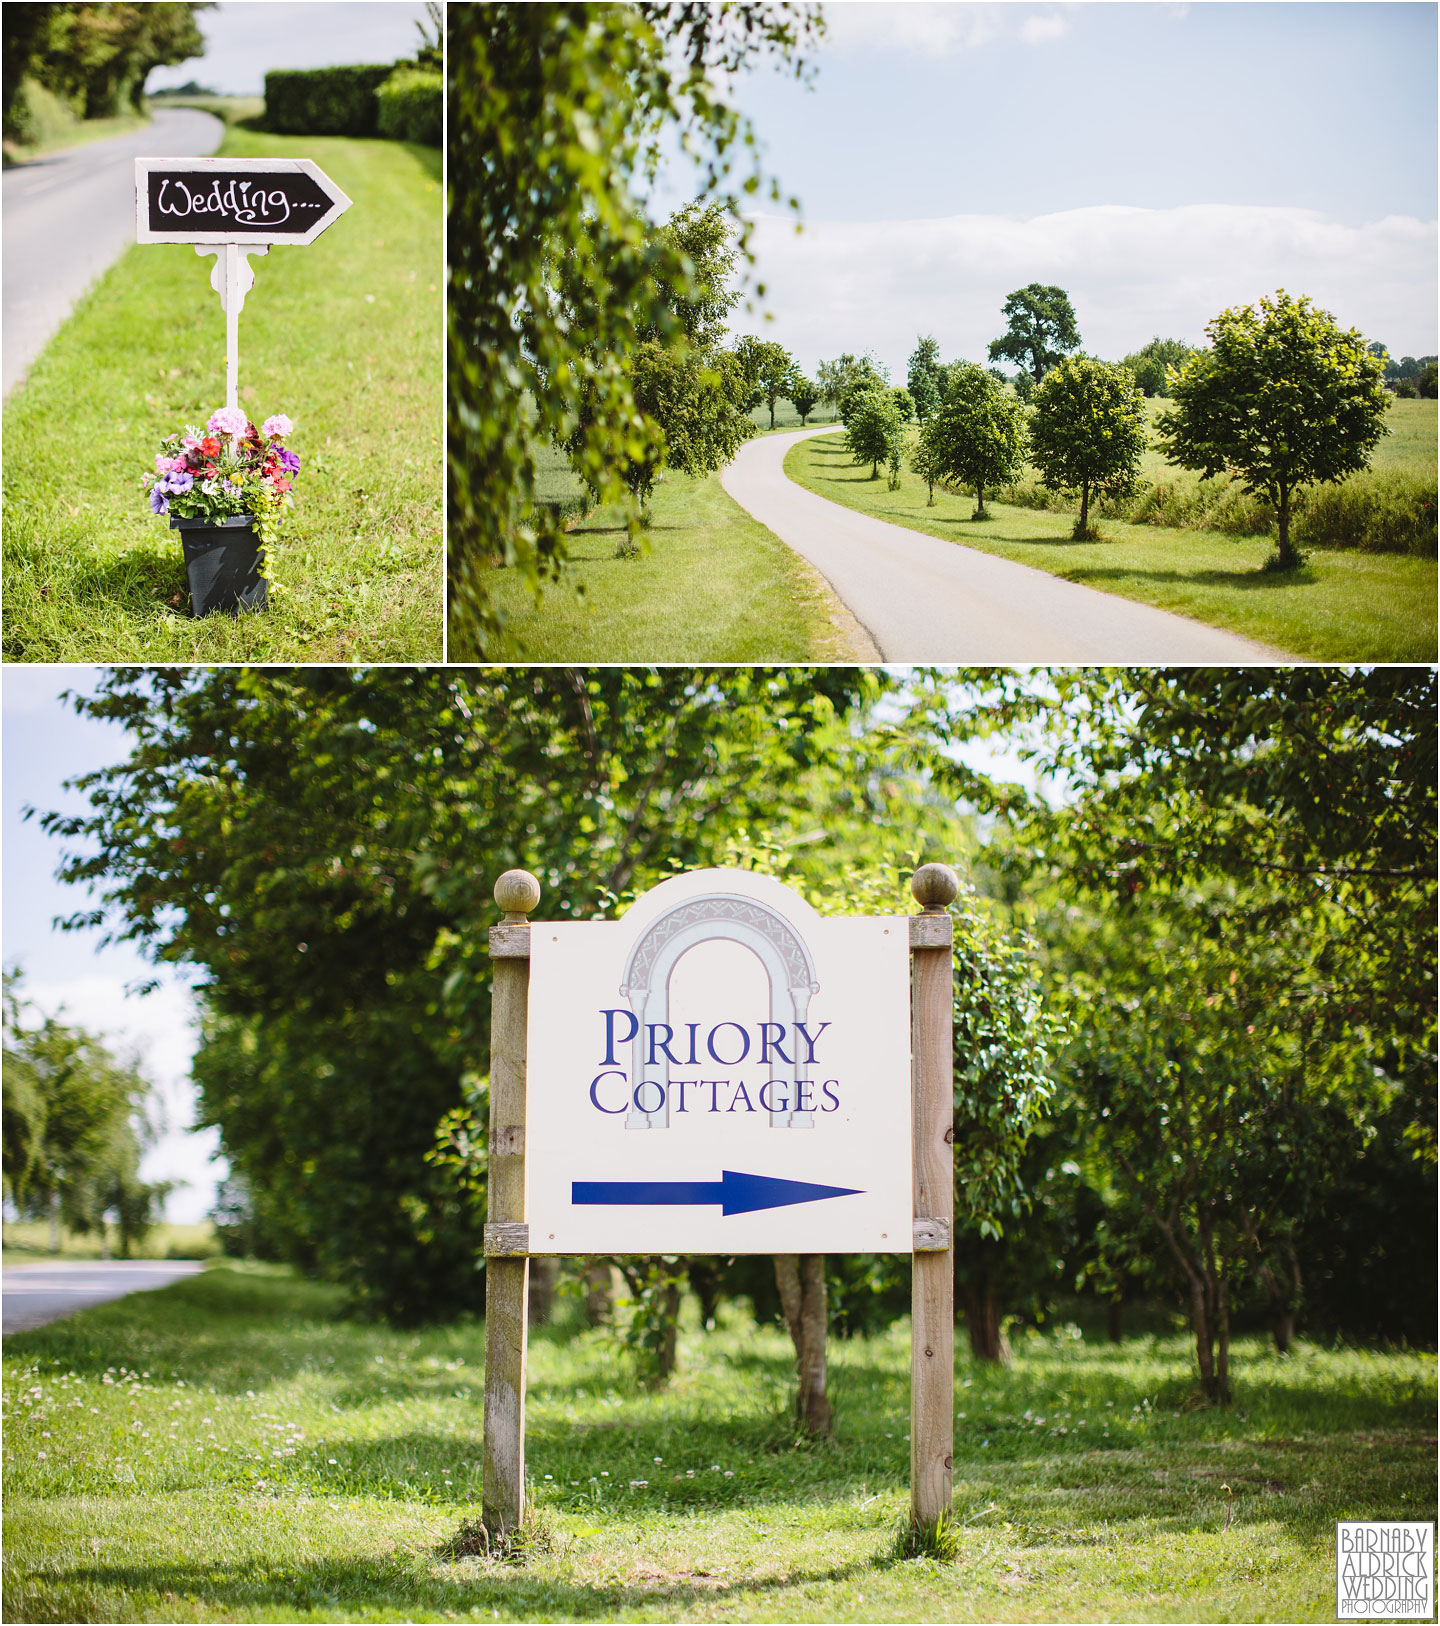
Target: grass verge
28	1242
344	337
228	1449
714	585
1340	606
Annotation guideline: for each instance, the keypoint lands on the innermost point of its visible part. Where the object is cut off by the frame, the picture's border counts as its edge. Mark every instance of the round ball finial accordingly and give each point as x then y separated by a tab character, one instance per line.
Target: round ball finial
934	886
517	892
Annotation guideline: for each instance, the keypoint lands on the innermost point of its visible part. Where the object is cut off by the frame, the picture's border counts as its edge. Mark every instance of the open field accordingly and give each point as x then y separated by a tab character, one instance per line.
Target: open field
230	108
28	1242
230	1450
1341	606
713	586
344	337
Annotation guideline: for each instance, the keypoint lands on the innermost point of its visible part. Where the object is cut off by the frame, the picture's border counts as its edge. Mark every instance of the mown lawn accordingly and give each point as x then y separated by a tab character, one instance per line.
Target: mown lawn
1339	606
712	585
344	337
229	1449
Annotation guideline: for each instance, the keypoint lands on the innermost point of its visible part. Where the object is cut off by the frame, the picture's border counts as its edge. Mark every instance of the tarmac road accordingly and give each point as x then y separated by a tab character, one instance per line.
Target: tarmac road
923	599
36	1294
68	216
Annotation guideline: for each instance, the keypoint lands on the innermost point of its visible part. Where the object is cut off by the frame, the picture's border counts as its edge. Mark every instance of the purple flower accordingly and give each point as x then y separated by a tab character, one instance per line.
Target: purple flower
288	461
178	480
159	502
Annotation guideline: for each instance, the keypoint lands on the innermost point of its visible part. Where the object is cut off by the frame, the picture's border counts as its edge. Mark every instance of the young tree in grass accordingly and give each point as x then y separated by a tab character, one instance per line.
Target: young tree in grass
977	435
769	367
803	395
925	459
831	378
873	429
698	400
1042	329
865	375
924	375
904	403
1087	433
1285	398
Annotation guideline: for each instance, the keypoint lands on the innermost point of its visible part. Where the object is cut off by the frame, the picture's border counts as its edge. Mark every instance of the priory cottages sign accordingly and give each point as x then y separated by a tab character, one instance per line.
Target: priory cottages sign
721	1070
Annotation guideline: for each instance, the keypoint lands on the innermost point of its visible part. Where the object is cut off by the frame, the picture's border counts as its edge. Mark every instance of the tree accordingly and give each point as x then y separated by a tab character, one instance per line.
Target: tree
74	1122
873	429
925	376
803	395
1241	867
1283	397
1149	364
1088	431
769	367
866	375
926	461
553	115
97	57
903	405
977	436
1041	329
321	847
1425	382
831	378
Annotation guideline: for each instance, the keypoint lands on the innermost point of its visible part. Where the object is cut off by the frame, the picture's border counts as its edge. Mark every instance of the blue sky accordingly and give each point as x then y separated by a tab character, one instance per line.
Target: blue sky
1159	161
246	38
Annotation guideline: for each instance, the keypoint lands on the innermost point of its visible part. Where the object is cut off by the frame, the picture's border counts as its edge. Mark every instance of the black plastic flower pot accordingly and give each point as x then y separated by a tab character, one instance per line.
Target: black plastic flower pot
223	559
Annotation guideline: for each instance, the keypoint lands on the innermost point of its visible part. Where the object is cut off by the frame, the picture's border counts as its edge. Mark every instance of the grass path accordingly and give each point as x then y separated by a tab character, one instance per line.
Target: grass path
344	337
1340	606
230	1449
714	585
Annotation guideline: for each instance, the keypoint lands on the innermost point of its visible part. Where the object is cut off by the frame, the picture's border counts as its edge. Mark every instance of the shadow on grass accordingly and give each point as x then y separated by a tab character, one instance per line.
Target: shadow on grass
1249	580
398	1589
140	579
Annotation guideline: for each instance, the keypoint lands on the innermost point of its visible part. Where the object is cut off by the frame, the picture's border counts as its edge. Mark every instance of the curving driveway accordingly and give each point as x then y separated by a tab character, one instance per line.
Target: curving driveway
922	599
37	1294
68	217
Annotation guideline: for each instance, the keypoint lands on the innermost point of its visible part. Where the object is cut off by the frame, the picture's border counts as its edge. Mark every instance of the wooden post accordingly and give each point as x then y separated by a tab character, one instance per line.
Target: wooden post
507	1269
932	1338
234	297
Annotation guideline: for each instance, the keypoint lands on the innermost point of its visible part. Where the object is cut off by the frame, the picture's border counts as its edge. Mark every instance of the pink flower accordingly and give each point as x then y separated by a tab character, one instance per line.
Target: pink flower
163	464
227	421
278	425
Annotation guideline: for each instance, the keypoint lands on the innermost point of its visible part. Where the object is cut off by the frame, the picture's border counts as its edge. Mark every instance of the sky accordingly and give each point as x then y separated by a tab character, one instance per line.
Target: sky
246	38
44	743
1160	162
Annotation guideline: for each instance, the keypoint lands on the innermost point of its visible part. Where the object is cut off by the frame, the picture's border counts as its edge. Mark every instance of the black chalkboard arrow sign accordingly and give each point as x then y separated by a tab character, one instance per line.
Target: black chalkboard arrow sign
233	200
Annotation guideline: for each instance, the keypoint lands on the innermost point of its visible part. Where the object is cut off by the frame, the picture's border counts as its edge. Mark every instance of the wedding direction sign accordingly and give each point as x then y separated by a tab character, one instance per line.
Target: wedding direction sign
234	200
721	1070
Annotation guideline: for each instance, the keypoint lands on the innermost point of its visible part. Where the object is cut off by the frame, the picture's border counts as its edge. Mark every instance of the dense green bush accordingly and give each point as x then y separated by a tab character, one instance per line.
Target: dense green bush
411	106
325	101
1378	511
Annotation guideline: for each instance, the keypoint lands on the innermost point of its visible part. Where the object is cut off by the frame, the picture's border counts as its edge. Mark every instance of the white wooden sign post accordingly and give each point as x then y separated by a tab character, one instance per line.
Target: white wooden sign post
722	1070
233	208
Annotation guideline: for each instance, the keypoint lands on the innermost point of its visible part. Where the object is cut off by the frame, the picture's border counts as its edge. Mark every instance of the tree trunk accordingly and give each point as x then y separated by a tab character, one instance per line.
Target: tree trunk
983	1324
772	411
705	1285
1283	1302
804	1300
1112	1318
599	1293
1084	510
54	1222
1285	555
931	502
542	1290
979	499
670	1339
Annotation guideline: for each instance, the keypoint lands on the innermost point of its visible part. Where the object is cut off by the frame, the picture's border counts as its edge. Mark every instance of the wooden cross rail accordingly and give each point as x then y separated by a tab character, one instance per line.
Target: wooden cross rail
507	1236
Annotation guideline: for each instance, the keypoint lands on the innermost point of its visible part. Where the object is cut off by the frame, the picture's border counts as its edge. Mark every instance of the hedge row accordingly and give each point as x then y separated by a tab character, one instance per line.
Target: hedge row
1378	511
325	101
411	106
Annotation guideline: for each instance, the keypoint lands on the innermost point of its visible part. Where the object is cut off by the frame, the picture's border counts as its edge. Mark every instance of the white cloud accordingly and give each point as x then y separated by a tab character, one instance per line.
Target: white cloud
1041	30
158	1031
1131	273
932	29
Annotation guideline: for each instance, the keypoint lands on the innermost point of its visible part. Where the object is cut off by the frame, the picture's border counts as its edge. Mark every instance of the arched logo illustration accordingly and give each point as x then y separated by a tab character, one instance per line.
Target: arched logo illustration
768	935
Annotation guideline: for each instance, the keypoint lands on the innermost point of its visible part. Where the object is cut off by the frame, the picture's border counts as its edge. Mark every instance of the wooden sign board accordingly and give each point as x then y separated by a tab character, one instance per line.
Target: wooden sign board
722	1070
234	200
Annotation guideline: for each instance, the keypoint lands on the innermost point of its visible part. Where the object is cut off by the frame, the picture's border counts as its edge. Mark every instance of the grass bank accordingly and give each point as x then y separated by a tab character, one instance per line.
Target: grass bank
1340	606
344	337
229	1450
712	585
28	1242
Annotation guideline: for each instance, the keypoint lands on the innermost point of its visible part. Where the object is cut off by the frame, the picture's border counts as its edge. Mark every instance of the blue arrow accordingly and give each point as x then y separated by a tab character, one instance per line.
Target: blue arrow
736	1193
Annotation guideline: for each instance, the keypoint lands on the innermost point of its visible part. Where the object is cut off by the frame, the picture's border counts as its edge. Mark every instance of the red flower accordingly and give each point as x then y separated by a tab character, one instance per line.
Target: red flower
210	446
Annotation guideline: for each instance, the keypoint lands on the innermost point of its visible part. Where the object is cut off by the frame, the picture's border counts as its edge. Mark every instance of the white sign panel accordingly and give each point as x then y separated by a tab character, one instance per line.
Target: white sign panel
234	200
722	1070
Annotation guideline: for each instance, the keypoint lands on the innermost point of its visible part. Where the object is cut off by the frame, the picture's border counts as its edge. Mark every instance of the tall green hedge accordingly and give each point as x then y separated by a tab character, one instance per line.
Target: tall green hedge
411	106
325	101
